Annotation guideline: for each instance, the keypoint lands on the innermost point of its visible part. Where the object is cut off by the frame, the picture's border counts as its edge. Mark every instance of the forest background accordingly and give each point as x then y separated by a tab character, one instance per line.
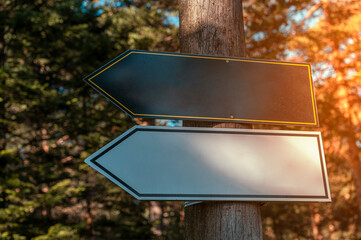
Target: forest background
50	120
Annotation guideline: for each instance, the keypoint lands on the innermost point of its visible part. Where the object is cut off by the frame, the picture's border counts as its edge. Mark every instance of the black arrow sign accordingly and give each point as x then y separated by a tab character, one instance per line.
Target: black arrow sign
183	86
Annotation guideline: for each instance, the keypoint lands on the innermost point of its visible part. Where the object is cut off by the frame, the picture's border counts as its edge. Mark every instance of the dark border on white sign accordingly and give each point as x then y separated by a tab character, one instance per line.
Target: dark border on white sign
239	197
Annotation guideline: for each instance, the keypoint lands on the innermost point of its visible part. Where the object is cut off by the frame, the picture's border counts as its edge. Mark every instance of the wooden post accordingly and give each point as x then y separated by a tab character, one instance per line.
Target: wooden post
213	27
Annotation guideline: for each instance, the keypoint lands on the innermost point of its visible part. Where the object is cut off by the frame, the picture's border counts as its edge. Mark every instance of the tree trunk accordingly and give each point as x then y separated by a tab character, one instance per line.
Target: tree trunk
212	27
223	220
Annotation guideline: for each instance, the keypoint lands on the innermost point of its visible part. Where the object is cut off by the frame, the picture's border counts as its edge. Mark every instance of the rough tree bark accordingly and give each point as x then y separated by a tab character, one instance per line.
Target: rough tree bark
212	27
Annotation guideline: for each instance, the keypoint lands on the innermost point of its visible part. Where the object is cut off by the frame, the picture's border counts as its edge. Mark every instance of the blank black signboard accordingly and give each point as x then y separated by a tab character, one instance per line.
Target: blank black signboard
182	86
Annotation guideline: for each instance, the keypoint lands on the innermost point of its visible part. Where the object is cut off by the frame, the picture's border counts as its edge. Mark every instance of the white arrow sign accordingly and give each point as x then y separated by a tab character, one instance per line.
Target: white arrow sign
164	163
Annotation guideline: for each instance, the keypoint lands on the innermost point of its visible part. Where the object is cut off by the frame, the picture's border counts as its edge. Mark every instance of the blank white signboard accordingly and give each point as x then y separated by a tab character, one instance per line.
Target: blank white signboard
167	163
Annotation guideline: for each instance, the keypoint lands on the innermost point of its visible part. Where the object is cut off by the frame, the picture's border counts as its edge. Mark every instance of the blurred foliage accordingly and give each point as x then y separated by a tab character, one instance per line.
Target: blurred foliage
326	34
59	232
50	120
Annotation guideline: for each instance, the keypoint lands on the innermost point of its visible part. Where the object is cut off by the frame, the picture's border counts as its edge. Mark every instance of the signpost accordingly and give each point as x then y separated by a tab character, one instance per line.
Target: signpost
172	85
164	163
208	164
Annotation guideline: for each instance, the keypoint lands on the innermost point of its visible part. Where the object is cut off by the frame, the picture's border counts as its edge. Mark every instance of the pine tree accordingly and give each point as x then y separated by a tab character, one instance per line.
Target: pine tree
50	120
